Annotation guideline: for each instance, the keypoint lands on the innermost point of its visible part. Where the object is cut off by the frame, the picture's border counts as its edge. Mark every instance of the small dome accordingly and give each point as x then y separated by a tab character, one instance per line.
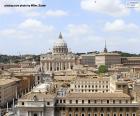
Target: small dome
60	42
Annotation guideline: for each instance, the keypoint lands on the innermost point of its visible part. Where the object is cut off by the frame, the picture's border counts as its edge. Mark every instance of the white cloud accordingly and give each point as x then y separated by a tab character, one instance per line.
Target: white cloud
35	25
29	29
110	7
76	30
56	13
120	25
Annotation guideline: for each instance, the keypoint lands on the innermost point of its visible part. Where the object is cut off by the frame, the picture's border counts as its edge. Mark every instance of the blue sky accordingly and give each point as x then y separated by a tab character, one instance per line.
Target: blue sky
85	25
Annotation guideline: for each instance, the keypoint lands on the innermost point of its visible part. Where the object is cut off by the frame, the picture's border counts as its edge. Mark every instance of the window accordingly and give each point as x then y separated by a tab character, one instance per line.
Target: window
133	114
76	101
76	114
35	114
121	109
69	109
82	101
22	103
102	114
70	101
70	114
95	114
83	114
89	101
113	101
127	114
56	101
114	114
107	101
89	114
64	101
95	101
120	101
121	114
83	109
48	103
108	114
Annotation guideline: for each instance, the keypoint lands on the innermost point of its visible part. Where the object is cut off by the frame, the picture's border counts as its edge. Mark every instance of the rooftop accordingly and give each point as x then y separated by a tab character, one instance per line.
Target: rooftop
7	81
115	95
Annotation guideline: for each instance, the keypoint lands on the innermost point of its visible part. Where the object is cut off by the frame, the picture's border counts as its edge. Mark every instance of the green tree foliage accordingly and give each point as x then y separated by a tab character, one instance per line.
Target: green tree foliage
102	69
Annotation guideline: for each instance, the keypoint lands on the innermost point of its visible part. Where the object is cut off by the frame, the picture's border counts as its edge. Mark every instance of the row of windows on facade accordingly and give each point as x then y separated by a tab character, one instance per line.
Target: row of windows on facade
59	68
89	86
89	101
114	109
48	103
90	90
102	114
93	82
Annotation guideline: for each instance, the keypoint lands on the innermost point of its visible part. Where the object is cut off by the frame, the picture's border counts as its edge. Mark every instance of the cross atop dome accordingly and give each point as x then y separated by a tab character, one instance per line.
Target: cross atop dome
60	36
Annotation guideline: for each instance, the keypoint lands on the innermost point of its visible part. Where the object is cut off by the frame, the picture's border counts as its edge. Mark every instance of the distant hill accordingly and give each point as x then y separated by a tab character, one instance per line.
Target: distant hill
125	54
16	59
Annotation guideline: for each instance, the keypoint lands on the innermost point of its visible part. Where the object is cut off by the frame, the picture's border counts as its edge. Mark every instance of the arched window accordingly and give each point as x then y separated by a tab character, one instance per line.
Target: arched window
35	114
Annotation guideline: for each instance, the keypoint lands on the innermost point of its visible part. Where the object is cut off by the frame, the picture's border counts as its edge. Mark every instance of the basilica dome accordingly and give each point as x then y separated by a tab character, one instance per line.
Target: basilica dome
60	46
60	42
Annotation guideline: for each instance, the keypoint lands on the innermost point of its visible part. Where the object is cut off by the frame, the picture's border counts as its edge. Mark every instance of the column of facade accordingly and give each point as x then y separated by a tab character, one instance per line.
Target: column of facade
86	111
118	111
44	67
130	111
105	111
67	113
69	65
124	111
52	66
98	111
56	65
61	65
49	66
111	111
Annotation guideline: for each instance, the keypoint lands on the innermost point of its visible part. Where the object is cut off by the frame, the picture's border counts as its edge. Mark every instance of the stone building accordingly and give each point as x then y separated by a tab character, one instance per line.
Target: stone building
68	102
60	58
87	59
107	59
130	61
8	90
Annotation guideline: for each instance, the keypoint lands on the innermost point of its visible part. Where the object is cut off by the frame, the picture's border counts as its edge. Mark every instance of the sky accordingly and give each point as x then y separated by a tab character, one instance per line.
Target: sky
85	26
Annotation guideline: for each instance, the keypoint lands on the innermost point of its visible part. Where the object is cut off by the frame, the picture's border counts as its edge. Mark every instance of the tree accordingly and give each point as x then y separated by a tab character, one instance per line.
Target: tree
102	69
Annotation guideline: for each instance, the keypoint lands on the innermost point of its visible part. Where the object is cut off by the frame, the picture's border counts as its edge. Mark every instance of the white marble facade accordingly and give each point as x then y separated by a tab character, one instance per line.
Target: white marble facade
59	58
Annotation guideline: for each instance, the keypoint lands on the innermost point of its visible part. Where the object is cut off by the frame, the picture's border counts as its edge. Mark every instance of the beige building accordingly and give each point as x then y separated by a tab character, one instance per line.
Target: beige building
8	90
91	85
87	59
130	61
107	59
59	58
75	101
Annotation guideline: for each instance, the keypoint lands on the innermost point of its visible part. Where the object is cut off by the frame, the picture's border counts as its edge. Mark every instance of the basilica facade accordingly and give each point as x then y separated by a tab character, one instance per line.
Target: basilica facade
60	58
